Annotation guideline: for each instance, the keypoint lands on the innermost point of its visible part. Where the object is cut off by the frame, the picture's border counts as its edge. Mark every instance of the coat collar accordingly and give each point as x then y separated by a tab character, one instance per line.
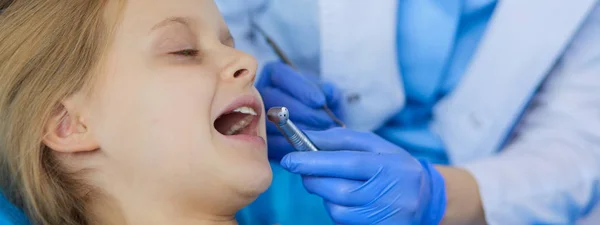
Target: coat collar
523	41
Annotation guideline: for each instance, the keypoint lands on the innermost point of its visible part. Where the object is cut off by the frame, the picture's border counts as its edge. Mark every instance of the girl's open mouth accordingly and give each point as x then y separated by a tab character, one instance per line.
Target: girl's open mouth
242	120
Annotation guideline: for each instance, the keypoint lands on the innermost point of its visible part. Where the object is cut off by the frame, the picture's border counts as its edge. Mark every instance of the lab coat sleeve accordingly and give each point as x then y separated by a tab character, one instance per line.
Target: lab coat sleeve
549	171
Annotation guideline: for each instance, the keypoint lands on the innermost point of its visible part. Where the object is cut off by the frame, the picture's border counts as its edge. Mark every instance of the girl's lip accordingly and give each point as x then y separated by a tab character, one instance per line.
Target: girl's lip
252	134
249	100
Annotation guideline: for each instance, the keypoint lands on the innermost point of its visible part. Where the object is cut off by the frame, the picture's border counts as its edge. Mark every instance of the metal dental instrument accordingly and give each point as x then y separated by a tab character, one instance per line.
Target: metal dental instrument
281	117
287	61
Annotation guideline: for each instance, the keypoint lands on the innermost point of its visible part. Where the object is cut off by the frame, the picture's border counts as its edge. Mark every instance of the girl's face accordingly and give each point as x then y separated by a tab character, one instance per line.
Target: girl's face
174	112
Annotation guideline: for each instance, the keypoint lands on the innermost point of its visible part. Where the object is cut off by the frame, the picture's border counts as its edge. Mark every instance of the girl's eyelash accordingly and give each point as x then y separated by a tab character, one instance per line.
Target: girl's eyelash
186	53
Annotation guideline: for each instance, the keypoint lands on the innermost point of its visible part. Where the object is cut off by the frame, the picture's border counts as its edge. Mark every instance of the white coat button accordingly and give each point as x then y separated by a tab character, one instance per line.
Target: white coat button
353	98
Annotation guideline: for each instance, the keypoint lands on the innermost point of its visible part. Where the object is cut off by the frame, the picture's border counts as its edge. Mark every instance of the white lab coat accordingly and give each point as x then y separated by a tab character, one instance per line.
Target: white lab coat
548	171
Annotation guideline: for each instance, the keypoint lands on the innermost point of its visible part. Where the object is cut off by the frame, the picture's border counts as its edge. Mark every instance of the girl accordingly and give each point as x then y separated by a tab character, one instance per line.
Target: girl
127	112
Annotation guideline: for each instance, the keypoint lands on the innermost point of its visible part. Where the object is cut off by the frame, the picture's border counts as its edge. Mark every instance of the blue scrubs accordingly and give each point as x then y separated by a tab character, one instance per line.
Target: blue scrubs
11	215
436	41
285	202
431	64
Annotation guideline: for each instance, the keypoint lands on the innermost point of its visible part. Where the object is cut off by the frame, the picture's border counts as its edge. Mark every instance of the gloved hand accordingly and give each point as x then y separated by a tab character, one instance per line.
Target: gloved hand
367	180
303	95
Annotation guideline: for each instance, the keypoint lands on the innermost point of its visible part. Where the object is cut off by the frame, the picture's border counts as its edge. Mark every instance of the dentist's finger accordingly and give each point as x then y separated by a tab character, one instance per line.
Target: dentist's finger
347	139
352	165
297	85
340	191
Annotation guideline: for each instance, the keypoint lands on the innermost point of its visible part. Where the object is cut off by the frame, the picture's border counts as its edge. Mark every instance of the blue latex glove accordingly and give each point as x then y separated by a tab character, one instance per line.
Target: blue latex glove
303	95
367	180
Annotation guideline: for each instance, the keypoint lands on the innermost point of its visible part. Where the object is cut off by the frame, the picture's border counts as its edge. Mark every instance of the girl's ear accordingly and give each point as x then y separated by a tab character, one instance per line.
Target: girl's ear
66	132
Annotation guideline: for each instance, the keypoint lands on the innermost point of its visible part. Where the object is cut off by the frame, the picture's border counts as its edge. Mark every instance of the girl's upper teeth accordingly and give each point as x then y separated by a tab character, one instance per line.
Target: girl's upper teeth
245	110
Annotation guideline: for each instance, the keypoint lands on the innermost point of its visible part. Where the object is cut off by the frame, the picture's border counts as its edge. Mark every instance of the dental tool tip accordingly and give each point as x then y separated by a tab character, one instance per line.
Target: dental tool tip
278	115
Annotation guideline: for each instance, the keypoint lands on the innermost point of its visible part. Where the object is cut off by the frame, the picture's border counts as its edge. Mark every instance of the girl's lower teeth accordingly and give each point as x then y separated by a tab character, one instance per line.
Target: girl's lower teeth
240	125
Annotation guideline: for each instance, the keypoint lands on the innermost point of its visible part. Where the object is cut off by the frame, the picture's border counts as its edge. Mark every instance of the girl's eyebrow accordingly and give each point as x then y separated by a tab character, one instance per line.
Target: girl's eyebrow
171	21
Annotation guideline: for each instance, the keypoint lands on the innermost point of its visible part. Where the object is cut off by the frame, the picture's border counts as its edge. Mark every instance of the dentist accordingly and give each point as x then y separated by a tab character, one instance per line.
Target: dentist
503	95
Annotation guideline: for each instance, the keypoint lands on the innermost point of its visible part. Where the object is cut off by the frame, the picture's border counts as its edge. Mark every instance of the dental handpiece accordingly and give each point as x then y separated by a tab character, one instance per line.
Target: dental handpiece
280	116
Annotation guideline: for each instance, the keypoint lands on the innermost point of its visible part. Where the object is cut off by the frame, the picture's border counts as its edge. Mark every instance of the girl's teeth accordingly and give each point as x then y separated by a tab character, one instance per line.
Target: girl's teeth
245	110
240	125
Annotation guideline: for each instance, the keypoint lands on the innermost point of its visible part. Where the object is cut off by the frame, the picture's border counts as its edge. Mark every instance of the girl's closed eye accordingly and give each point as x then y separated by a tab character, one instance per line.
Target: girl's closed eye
186	53
178	43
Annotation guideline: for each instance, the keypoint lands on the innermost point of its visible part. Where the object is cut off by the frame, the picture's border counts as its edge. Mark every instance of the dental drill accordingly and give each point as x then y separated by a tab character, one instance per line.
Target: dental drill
280	116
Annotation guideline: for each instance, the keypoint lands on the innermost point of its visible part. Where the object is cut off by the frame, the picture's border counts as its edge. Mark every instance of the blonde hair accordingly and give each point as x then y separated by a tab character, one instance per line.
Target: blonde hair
48	51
